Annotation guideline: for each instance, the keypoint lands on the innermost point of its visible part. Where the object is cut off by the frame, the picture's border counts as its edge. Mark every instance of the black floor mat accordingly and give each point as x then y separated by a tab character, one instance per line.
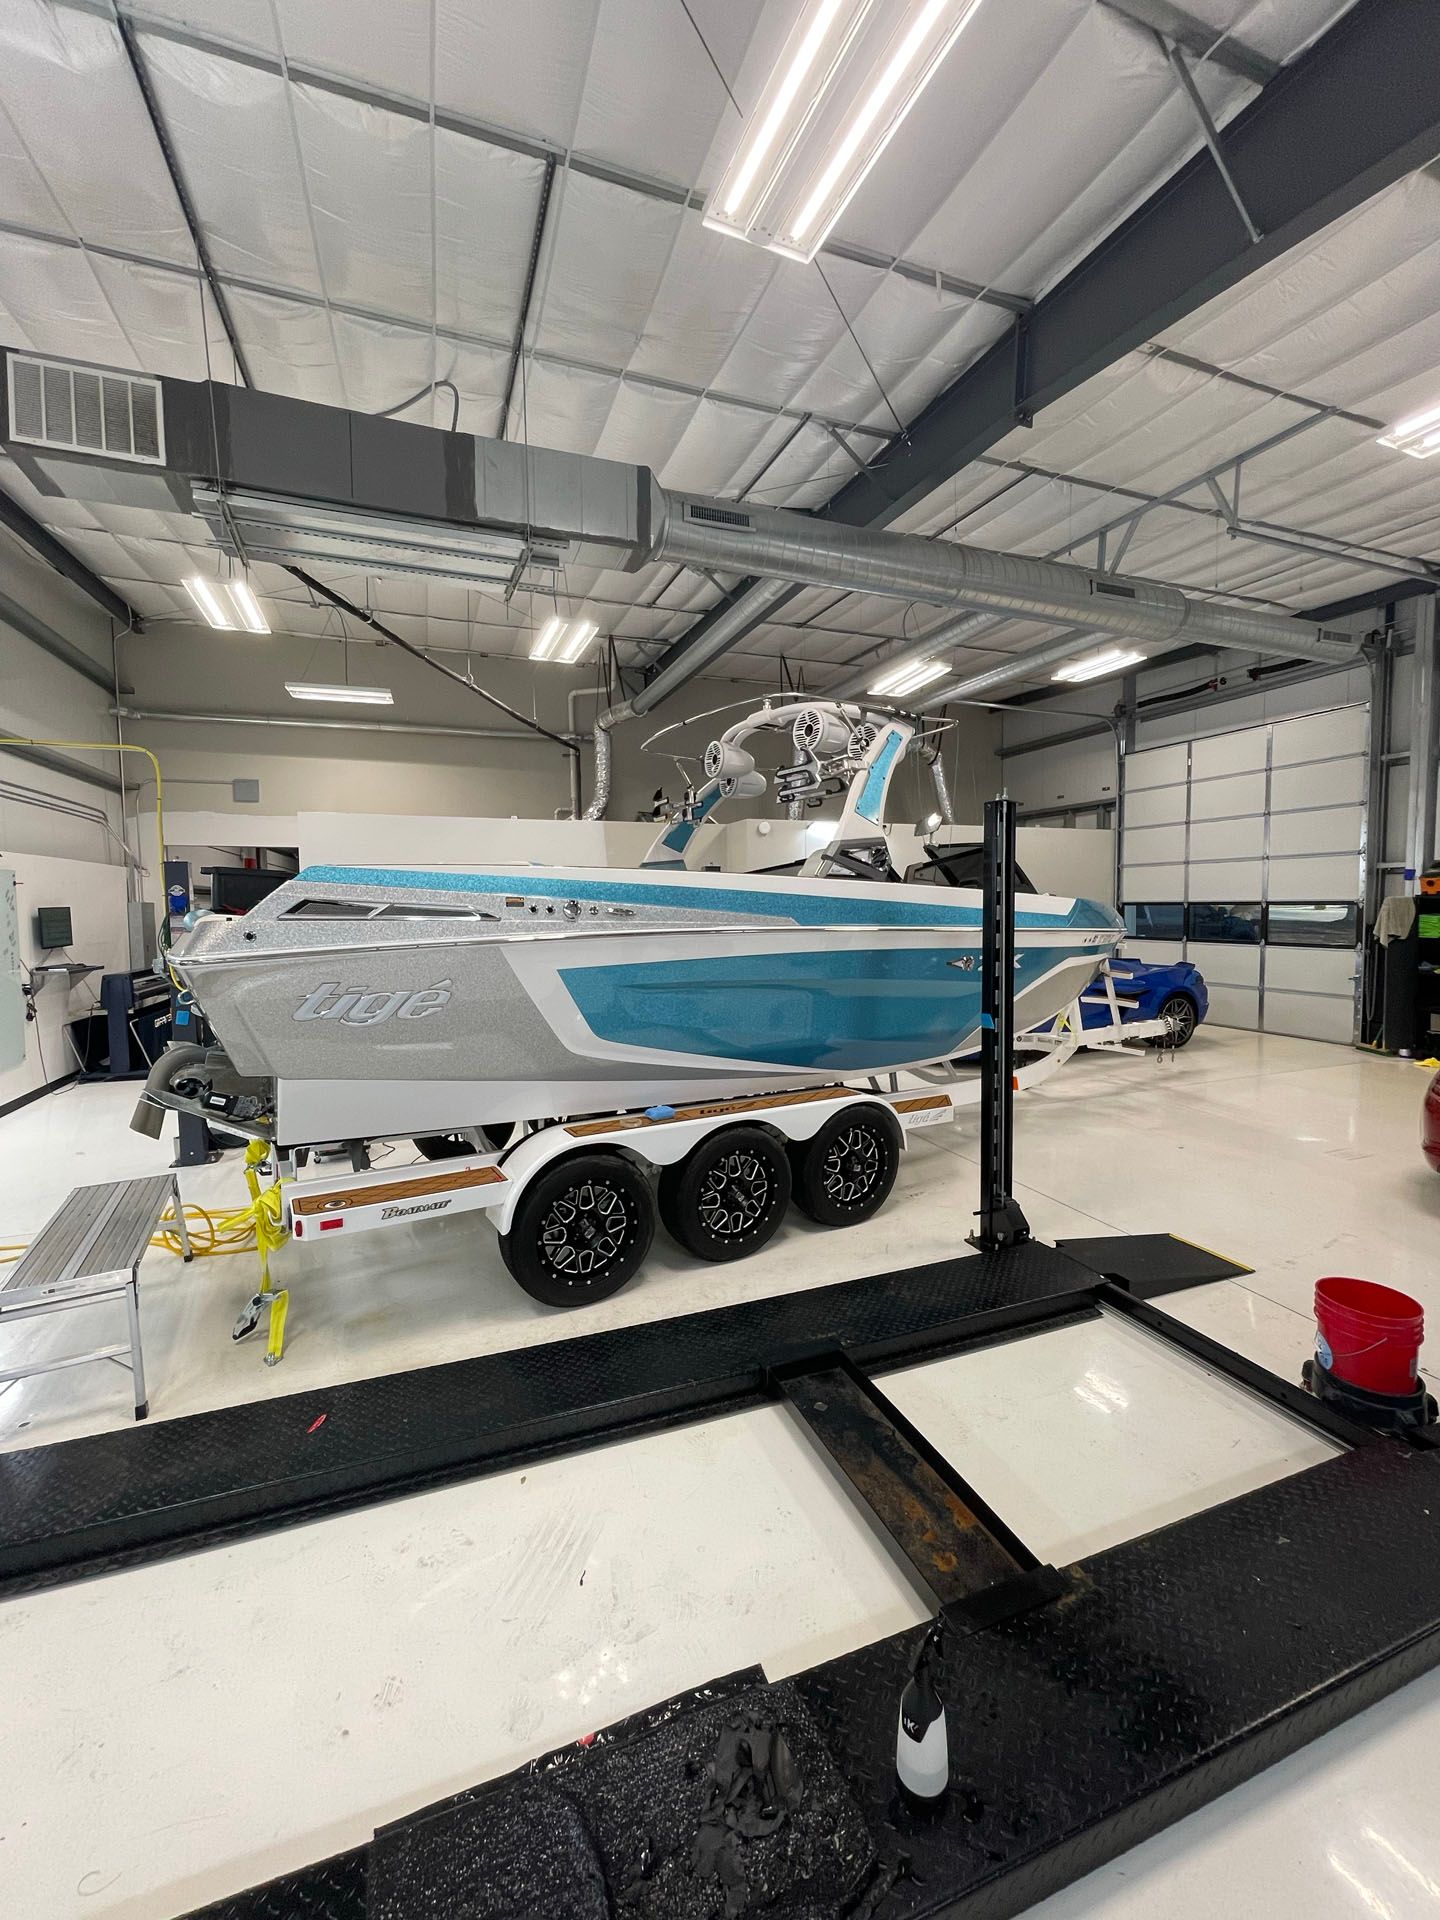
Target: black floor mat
732	1810
1151	1262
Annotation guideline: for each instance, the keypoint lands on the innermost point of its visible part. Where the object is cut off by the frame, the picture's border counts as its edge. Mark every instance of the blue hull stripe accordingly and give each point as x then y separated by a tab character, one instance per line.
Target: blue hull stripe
838	1012
815	904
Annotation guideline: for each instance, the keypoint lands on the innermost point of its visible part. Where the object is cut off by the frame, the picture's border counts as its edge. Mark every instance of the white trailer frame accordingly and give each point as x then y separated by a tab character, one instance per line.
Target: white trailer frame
333	1200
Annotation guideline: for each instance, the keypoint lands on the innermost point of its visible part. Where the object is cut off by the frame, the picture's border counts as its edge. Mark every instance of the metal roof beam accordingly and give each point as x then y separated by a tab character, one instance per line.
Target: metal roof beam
55	554
182	192
1357	111
1216	49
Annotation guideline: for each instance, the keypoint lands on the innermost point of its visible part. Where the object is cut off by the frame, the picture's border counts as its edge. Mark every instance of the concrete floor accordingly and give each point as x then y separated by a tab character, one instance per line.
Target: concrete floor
182	1731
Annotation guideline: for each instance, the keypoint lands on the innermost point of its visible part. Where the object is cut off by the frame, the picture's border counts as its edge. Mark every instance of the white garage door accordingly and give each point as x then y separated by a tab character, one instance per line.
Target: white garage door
1242	852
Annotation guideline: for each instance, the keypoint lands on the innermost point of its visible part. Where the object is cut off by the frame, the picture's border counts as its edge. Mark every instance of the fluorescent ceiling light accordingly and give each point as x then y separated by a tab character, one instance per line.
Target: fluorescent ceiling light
846	78
242	597
271	528
910	678
1419	436
563	641
1096	665
345	696
229	605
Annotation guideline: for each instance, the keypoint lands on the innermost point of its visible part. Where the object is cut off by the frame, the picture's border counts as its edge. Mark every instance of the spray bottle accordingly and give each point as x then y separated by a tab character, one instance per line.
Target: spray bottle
922	1748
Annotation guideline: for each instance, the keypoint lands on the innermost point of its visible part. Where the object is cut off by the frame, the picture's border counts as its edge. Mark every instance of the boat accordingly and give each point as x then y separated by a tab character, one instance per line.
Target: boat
371	1002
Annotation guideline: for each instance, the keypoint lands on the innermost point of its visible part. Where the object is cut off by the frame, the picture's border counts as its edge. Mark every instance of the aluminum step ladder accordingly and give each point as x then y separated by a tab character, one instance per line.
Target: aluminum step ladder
89	1251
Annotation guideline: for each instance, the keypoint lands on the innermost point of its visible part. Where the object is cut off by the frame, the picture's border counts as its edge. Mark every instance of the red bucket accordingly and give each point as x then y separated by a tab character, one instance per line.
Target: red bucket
1368	1335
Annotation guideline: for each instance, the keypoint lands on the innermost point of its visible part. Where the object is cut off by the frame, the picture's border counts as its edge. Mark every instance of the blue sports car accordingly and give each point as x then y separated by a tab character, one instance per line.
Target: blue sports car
1145	991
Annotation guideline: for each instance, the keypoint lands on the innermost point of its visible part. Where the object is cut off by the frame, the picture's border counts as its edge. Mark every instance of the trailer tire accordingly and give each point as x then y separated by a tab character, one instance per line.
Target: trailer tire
581	1230
728	1195
844	1174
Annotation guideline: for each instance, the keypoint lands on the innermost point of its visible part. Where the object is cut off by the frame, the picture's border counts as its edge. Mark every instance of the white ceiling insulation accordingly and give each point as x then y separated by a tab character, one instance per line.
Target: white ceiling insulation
368	179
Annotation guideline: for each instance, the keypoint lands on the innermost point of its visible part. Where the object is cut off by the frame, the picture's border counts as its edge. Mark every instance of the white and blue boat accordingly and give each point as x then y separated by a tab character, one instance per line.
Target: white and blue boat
364	1002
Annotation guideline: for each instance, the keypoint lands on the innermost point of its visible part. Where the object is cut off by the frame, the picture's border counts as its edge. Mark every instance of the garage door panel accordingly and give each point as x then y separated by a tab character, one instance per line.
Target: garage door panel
1155	807
1158	953
1319	736
1240	752
1234	1006
1310	969
1325	784
1311	1016
1166	882
1221	799
1334	876
1227	839
1227	879
1156	767
1327	830
1225	965
1145	845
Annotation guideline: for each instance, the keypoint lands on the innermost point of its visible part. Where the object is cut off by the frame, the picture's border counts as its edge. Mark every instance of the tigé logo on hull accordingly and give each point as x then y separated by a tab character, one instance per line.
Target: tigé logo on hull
362	1007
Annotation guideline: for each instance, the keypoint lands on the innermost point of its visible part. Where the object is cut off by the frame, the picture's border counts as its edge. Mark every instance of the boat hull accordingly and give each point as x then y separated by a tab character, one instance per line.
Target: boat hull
727	988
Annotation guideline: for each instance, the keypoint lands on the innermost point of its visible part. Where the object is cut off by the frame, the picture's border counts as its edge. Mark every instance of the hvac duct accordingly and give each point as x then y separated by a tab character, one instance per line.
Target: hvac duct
718	536
942	786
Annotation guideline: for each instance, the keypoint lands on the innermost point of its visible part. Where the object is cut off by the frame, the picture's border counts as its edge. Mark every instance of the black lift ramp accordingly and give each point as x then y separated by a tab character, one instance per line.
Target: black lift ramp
1097	1704
119	1499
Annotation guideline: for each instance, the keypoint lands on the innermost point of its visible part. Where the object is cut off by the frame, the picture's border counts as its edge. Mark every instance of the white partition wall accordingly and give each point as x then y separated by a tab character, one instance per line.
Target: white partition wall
1243	852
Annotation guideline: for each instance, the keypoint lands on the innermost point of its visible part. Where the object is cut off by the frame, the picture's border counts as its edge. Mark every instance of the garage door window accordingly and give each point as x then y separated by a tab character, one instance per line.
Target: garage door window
1238	923
1312	923
1155	920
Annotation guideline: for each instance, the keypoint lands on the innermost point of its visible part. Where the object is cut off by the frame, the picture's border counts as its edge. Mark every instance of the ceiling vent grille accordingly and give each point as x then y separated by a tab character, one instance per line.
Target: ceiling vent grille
717	516
1111	590
52	403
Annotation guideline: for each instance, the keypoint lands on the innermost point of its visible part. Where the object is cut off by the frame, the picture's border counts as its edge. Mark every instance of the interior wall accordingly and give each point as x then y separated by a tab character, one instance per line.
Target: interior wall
179	667
42	697
58	859
95	893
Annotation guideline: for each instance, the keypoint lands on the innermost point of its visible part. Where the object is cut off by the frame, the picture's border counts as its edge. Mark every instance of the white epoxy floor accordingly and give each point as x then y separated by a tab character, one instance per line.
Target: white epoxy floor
179	1732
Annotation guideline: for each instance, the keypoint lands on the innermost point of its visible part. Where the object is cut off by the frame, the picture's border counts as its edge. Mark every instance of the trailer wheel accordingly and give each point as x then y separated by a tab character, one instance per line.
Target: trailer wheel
728	1195
845	1173
581	1230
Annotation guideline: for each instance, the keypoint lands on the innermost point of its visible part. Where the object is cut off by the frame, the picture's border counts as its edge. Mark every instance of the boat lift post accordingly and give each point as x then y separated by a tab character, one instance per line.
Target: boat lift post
1002	1220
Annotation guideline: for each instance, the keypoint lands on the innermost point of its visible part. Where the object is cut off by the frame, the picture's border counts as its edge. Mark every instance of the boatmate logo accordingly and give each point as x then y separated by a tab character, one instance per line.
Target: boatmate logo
359	1007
